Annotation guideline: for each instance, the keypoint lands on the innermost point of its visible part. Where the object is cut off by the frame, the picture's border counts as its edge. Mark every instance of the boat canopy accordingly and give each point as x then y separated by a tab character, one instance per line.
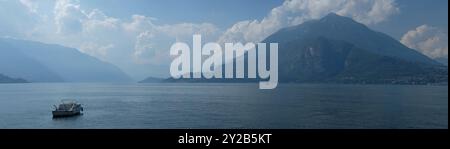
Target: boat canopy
68	101
67	104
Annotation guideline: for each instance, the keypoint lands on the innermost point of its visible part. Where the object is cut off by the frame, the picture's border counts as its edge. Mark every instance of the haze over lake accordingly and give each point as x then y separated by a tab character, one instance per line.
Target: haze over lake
214	105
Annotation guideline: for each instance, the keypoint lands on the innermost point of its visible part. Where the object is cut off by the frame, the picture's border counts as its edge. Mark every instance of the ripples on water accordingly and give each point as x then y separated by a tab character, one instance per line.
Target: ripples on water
226	106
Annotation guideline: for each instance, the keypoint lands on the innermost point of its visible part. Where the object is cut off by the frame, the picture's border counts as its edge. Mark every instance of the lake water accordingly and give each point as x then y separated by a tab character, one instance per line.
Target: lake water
226	106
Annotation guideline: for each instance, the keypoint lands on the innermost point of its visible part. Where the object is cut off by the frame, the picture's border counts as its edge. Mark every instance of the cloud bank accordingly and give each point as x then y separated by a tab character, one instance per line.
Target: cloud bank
294	12
97	34
429	40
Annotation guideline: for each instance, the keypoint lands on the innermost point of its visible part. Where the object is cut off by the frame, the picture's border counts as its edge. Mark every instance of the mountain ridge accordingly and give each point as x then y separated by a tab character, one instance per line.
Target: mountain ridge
338	27
337	49
56	63
7	79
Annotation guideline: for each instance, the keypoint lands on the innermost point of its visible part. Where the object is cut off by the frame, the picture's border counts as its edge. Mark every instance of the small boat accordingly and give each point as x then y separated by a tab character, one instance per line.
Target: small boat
67	108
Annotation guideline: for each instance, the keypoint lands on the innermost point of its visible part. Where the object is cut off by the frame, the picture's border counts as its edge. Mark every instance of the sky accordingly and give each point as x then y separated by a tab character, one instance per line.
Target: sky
136	35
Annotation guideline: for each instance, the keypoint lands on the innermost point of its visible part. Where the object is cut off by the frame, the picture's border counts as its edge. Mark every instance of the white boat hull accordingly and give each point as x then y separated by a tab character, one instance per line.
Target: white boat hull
65	113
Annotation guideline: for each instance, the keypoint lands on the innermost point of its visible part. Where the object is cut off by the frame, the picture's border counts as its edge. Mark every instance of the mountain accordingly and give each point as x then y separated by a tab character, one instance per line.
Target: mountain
6	79
212	80
442	60
337	49
39	62
15	63
335	27
152	80
325	60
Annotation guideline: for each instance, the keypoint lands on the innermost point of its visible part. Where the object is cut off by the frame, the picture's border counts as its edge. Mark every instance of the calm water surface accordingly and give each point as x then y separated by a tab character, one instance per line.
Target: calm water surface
226	106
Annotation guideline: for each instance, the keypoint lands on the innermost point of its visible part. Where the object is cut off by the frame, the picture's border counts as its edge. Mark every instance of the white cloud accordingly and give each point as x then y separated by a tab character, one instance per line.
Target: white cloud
138	24
144	48
81	28
98	21
96	50
68	16
16	18
30	4
185	31
153	41
294	12
430	41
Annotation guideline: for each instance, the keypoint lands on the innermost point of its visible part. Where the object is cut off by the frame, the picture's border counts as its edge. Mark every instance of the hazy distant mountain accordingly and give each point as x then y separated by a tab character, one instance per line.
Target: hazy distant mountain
212	80
40	62
152	80
337	49
6	79
15	63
